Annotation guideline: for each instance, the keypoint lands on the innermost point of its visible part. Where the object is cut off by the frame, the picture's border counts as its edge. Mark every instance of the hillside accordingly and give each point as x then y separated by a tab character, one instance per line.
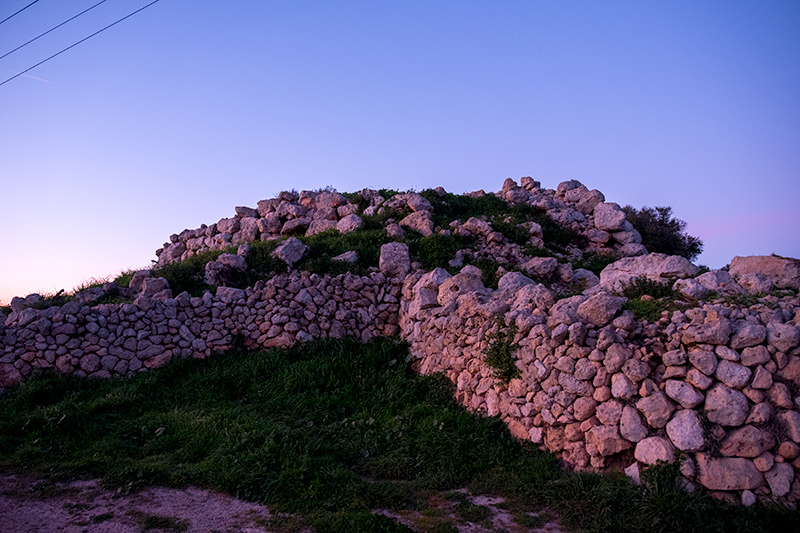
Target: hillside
542	306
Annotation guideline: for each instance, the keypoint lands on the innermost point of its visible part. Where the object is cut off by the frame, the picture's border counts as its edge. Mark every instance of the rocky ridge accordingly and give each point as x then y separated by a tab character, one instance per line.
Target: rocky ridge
714	383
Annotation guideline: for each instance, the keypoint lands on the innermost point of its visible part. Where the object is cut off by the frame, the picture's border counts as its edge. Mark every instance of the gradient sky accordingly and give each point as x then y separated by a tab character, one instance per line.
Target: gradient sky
173	117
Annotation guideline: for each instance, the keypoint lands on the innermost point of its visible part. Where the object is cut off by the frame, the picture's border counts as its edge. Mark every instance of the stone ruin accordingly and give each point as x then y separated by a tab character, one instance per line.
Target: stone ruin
714	385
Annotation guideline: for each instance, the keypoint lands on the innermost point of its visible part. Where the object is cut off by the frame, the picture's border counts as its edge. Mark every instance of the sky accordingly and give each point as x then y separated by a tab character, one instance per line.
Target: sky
183	111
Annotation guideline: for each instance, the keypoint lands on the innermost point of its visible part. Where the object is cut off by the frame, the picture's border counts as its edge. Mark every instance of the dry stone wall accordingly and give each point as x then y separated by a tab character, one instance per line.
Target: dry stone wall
117	340
715	385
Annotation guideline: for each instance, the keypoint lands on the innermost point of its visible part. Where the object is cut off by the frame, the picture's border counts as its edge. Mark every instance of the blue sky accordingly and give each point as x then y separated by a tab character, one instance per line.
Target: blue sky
173	117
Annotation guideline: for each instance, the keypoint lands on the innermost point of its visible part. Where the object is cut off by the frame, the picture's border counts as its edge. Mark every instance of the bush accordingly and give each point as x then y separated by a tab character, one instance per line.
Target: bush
663	234
500	352
188	275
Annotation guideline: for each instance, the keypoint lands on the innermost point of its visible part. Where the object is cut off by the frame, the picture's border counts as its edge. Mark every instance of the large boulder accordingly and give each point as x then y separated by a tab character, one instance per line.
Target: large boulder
728	473
783	271
601	308
609	217
290	251
657	267
394	260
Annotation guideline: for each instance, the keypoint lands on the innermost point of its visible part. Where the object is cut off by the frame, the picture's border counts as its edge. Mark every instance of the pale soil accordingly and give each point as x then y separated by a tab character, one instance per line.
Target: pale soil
29	505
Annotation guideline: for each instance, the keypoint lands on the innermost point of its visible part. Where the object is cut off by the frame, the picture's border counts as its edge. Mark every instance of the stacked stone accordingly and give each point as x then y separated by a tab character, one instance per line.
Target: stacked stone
308	213
718	383
117	340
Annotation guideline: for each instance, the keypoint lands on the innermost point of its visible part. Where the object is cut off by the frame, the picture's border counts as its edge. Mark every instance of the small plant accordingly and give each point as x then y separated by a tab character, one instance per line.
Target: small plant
437	250
124	278
645	286
595	263
500	352
188	275
647	309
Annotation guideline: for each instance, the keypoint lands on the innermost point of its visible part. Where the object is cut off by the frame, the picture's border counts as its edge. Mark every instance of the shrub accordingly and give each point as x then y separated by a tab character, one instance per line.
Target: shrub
663	234
436	250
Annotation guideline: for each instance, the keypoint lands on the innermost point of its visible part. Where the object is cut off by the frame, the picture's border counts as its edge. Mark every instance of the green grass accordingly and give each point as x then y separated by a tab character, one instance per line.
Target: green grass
330	430
188	275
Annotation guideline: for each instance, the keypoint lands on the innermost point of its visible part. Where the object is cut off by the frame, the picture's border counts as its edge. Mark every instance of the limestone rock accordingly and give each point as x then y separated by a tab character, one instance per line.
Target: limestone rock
290	251
685	431
783	337
420	221
683	393
733	375
653	449
630	425
609	217
607	440
657	267
656	408
601	308
780	478
728	473
394	260
726	406
784	272
349	224
746	441
747	334
720	282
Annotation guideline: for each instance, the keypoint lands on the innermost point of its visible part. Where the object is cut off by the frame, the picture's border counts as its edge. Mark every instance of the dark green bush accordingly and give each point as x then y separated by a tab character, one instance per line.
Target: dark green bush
646	286
662	233
500	352
436	250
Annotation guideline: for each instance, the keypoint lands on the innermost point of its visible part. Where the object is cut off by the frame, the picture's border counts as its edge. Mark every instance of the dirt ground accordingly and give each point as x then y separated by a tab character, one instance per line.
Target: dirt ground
29	505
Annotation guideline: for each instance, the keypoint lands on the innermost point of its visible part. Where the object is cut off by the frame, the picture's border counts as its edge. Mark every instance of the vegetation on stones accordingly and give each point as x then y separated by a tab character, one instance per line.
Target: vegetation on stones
648	298
499	353
330	430
188	275
595	262
662	233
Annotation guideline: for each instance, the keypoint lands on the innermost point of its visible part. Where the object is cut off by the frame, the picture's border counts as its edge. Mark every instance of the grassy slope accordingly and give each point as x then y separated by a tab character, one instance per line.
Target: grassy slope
331	430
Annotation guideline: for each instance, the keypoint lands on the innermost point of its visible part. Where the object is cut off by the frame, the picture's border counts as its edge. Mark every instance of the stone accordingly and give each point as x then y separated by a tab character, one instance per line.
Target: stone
394	260
657	267
746	441
779	478
762	379
654	449
720	282
783	337
606	440
609	412
460	284
10	376
712	332
683	393
636	370
690	288
756	283
755	355
609	217
783	272
296	226
685	431
349	224
791	423
513	281
616	356
703	360
318	226
230	294
656	408
630	425
347	257
726	406
540	266
733	375
417	202
747	334
290	251
601	308
583	408
728	473
420	221
622	387
748	498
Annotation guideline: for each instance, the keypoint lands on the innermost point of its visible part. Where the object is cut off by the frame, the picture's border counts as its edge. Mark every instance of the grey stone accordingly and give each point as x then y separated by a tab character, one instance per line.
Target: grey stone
726	406
685	431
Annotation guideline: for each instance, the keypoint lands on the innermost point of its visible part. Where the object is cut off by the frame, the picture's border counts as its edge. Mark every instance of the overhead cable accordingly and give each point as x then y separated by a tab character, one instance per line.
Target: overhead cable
79	42
18	12
51	29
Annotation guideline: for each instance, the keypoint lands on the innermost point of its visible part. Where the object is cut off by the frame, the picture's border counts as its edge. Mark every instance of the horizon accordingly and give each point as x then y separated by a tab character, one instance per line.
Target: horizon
175	116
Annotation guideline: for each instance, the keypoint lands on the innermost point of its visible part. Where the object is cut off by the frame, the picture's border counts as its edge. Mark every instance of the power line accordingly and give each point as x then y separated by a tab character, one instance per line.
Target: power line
18	12
52	29
79	42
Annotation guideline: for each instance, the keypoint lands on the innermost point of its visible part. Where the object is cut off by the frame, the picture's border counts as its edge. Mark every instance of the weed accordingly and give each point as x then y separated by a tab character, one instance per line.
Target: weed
124	278
472	513
499	354
649	309
437	250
